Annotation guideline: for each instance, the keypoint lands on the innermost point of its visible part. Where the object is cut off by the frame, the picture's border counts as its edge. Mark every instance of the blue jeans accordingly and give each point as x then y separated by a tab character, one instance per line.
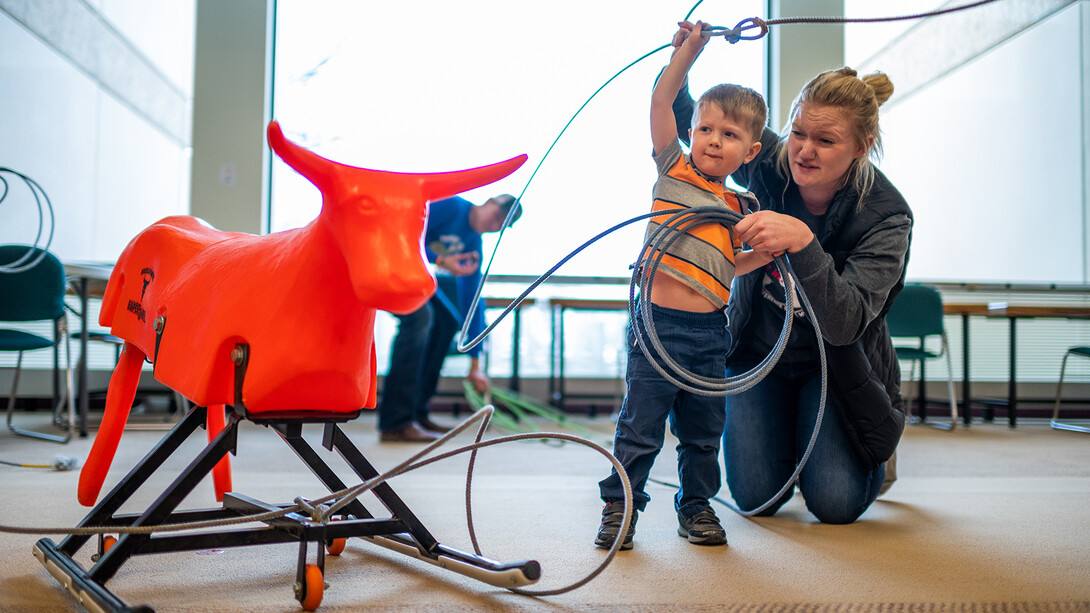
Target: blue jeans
416	358
767	430
698	342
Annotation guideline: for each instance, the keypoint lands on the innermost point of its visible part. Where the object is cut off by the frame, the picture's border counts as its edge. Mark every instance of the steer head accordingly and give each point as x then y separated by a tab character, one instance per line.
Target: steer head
377	219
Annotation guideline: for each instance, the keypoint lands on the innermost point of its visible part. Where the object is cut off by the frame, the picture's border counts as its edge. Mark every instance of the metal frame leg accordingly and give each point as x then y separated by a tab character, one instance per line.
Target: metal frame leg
1054	422
63	396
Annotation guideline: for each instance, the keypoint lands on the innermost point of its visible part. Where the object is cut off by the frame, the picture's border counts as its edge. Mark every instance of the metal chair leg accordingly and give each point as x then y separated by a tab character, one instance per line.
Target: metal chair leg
11	409
66	395
1054	422
950	384
908	398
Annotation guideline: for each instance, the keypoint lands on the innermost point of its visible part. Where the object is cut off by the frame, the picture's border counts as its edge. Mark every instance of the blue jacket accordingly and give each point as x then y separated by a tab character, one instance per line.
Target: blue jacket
449	233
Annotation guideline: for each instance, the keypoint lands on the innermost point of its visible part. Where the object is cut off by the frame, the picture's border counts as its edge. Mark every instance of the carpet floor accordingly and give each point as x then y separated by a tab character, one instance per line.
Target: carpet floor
982	519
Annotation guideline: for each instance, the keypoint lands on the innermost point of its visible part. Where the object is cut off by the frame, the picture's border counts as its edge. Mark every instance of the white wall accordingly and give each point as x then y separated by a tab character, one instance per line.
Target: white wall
95	104
985	139
230	110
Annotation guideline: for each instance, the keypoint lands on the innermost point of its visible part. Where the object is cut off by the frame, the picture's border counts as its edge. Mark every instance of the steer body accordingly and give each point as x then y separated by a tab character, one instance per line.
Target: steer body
303	301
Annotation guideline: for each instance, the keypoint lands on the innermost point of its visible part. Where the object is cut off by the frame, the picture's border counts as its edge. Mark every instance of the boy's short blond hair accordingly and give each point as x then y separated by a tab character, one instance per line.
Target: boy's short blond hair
742	103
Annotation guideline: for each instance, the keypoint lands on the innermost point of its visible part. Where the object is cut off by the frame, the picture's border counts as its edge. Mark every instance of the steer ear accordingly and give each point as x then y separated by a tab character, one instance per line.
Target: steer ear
436	186
314	167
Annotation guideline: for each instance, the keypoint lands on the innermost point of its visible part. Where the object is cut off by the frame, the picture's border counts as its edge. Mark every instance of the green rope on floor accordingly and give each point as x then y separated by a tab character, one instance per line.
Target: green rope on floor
514	412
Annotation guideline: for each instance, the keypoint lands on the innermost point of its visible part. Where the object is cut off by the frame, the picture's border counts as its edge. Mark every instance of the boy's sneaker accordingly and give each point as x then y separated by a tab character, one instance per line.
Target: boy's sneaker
612	516
702	528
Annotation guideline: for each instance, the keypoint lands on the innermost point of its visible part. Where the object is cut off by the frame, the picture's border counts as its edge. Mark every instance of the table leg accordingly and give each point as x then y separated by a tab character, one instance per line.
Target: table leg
552	355
82	374
921	391
514	385
560	358
966	394
1012	386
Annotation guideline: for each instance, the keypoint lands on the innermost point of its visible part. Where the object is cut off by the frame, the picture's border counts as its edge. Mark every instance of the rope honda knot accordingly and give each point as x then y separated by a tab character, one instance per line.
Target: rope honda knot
735	34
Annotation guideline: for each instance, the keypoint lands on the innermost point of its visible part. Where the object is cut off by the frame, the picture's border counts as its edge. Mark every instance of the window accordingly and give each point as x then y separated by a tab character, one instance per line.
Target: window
430	86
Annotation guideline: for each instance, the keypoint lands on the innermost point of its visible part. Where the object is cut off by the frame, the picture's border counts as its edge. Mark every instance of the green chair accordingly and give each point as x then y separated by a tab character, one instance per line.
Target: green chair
1055	422
917	314
32	287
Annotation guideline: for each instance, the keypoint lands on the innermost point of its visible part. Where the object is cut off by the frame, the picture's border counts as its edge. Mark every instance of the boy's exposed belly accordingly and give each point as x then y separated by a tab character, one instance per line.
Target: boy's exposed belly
673	294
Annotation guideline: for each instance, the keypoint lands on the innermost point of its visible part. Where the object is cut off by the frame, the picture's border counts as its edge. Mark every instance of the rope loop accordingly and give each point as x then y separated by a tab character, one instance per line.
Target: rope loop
735	34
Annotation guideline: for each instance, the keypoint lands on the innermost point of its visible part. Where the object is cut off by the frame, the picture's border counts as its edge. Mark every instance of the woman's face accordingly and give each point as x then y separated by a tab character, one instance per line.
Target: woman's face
821	148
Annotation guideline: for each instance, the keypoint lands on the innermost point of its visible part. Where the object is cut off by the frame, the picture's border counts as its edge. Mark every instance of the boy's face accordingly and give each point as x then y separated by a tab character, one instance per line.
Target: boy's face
720	143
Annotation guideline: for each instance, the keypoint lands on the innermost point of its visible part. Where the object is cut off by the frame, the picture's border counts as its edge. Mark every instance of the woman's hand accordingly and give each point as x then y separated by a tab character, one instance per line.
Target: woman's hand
773	232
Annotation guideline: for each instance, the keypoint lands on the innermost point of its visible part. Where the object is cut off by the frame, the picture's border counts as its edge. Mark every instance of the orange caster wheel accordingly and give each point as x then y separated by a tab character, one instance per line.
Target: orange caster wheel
106	544
336	546
310	592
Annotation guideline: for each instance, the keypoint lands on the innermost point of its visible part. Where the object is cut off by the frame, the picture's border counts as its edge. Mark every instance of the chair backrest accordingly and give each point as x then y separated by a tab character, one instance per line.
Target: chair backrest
36	293
916	312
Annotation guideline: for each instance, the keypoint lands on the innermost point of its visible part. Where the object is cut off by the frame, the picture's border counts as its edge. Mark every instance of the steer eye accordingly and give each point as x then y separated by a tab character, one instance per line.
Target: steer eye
365	204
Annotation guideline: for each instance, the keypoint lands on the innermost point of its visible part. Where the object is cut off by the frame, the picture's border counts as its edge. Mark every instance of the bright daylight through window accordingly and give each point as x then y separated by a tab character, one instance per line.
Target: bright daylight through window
431	86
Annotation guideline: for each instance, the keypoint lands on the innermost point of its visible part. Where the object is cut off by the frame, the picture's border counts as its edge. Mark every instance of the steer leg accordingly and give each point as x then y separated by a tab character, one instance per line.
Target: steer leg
119	399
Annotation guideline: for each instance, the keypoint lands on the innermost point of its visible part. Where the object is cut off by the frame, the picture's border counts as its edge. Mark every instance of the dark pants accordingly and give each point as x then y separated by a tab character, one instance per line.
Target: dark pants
416	358
698	342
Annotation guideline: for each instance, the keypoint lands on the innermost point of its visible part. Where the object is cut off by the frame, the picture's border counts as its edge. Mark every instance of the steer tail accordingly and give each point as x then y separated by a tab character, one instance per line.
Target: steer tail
119	399
221	472
439	185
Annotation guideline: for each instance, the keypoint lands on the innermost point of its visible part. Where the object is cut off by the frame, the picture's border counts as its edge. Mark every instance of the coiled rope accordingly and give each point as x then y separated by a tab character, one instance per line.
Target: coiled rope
25	262
657	244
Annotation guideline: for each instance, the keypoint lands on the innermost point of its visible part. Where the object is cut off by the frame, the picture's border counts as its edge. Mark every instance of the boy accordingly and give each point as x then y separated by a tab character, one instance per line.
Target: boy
687	300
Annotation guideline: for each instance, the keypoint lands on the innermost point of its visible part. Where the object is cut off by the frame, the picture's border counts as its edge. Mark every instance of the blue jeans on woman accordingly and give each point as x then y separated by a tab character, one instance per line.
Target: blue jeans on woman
767	430
698	342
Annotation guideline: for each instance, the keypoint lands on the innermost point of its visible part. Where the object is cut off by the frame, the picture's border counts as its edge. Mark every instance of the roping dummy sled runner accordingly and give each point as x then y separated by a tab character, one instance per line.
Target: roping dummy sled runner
275	329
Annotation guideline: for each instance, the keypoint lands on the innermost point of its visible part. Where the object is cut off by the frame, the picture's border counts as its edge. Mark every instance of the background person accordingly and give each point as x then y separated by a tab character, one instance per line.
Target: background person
452	241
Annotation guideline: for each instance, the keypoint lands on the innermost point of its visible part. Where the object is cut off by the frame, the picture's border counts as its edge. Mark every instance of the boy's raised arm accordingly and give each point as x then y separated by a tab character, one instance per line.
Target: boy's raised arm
663	124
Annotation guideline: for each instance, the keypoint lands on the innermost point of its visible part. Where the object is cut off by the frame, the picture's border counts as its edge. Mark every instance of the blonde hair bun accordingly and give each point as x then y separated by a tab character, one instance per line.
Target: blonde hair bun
882	86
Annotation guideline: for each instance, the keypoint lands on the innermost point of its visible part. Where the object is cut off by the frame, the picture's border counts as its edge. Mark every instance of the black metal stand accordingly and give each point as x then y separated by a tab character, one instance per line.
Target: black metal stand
399	530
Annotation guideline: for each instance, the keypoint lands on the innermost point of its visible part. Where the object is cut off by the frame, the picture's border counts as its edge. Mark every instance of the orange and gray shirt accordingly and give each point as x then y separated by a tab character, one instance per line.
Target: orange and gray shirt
703	258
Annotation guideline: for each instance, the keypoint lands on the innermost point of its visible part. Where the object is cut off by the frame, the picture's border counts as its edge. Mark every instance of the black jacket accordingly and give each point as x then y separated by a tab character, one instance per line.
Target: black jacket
851	275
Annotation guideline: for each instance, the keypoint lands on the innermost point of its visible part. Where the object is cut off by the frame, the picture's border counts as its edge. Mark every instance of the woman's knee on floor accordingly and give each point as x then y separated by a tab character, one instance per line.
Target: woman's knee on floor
841	501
